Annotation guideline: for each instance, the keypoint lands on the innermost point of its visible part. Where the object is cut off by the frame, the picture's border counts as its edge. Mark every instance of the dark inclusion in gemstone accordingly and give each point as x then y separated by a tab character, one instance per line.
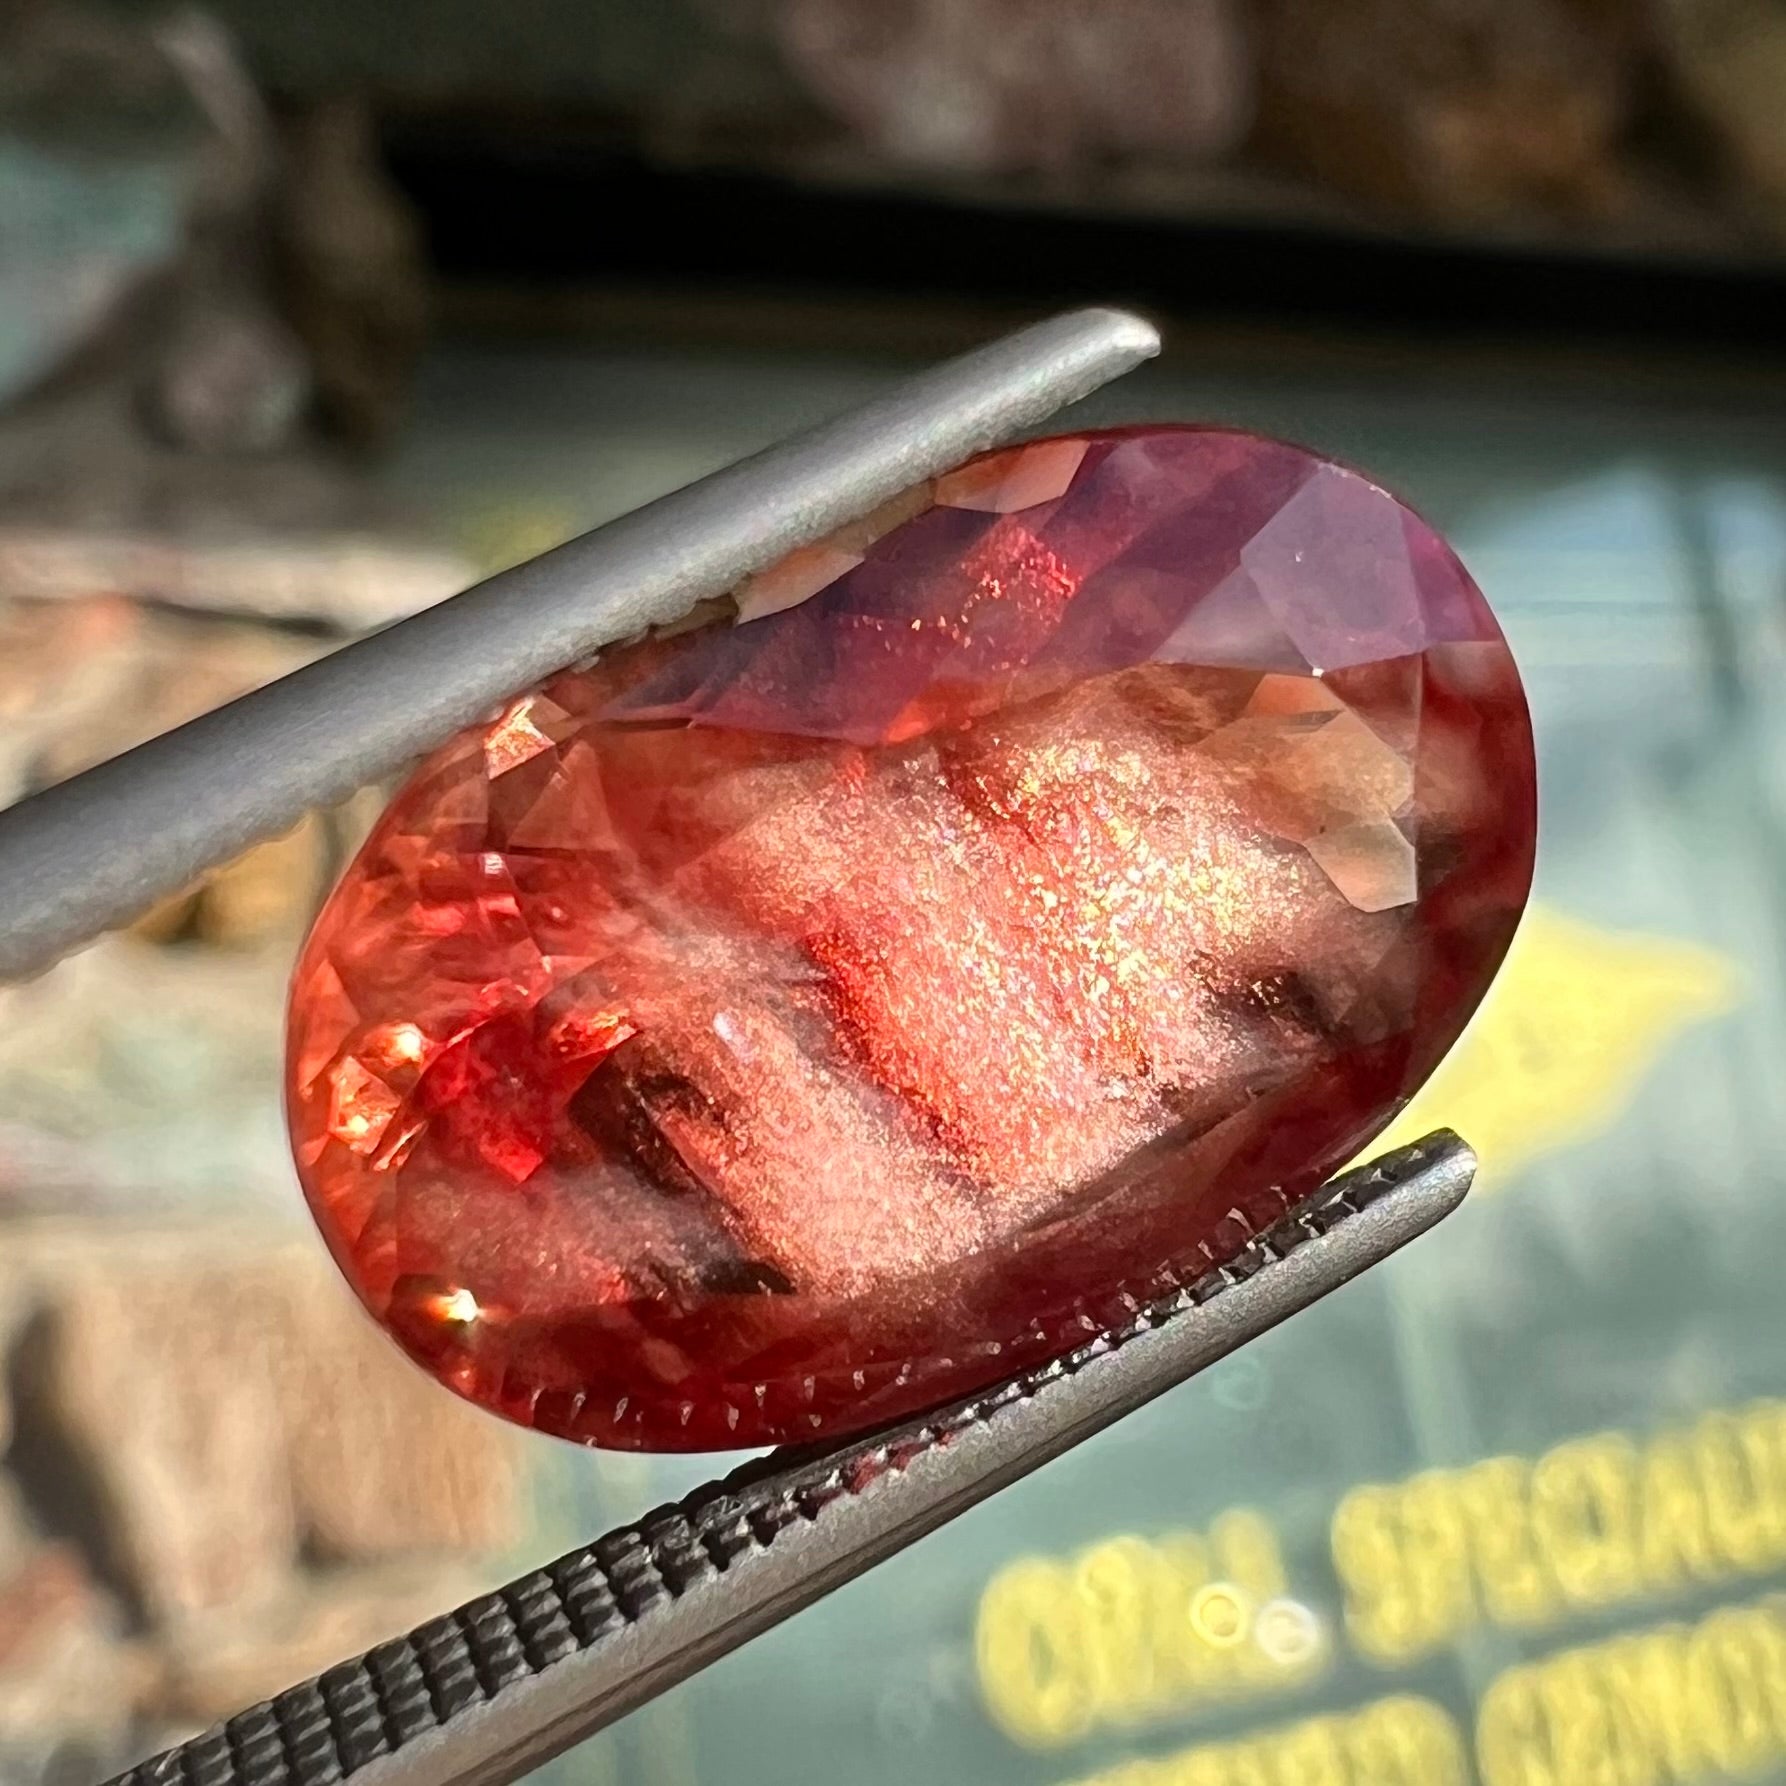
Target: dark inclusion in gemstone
784	1026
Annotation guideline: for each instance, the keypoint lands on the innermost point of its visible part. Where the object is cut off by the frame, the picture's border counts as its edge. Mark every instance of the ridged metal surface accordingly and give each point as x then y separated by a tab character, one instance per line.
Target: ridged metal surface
482	1694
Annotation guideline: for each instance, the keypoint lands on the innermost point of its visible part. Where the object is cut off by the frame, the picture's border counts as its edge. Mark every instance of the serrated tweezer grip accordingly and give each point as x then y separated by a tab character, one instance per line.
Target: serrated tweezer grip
483	1694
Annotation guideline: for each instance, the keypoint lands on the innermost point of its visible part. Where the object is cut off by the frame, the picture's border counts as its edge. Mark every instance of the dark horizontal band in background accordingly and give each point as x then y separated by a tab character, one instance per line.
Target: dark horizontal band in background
543	213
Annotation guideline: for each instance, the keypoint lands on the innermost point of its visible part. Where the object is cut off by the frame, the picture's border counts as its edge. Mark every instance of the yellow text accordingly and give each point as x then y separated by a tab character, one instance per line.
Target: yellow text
1134	1628
1677	1704
1395	1742
1526	1543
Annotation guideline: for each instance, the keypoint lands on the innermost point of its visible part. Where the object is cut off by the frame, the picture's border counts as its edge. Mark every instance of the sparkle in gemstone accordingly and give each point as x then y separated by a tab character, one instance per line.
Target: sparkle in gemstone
781	1027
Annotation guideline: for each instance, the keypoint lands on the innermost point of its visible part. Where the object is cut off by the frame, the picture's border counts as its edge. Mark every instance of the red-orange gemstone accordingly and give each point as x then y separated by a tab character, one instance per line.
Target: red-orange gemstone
784	1026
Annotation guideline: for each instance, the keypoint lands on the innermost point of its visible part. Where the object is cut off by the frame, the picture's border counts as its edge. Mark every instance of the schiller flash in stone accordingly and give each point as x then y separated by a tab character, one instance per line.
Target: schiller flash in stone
1035	888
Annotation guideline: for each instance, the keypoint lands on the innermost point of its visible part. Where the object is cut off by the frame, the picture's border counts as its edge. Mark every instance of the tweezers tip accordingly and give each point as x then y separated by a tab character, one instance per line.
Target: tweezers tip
1433	1174
1451	1157
1127	332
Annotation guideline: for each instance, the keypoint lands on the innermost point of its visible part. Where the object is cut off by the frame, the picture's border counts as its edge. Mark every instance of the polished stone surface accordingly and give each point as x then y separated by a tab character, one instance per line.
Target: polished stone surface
780	1027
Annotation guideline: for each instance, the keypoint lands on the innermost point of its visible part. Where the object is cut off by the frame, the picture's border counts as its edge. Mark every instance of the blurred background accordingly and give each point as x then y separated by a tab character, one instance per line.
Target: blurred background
310	314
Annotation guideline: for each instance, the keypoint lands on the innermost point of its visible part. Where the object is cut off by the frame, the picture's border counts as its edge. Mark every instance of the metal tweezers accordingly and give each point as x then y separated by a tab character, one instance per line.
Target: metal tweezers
485	1693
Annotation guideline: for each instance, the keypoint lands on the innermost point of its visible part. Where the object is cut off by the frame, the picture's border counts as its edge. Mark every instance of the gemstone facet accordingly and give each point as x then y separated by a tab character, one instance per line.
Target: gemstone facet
783	1026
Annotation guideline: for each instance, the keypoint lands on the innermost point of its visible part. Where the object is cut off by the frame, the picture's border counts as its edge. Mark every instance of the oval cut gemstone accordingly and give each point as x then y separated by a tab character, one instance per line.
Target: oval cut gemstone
1013	904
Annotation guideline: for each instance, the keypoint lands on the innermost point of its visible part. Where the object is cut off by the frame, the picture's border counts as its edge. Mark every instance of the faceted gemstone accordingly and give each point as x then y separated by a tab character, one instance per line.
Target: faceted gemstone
1021	899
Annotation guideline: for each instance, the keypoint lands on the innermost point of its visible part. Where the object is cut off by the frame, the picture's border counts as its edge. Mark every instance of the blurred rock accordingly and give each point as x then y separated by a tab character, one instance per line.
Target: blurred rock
43	1174
268	892
270	285
62	670
232	379
163	1065
153	1402
209	1411
1461	111
100	147
83	680
72	1683
1007	85
353	276
360	574
381	1463
223	374
19	1539
63	1663
214	1665
137	157
244	158
1729	59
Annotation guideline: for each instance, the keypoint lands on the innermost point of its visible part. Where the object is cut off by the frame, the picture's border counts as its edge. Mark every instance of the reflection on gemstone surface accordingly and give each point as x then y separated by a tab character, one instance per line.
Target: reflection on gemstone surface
780	1027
